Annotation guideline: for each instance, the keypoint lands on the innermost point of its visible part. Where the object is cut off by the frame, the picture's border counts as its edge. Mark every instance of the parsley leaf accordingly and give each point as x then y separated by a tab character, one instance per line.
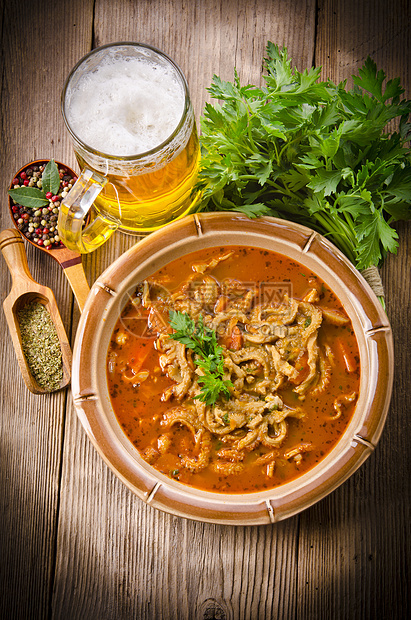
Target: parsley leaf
312	152
371	80
208	355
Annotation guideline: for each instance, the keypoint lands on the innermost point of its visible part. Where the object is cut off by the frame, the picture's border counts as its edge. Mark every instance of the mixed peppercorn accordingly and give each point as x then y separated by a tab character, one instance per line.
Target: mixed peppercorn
39	225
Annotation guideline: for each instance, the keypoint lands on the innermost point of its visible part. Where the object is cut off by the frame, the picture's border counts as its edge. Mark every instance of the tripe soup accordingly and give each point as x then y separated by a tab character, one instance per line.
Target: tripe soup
233	369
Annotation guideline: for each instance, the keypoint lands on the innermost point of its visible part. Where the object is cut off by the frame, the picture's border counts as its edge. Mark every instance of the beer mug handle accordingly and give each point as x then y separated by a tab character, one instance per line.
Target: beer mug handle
76	231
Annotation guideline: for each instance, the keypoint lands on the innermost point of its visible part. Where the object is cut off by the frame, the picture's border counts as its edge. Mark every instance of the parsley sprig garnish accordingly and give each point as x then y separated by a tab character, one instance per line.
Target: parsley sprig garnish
312	152
207	355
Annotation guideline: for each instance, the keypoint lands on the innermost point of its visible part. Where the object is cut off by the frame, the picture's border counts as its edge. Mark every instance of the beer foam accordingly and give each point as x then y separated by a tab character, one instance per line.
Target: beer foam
125	106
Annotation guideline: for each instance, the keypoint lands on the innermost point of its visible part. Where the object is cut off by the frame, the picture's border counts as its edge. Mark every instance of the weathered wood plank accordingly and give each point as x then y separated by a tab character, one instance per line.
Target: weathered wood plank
351	557
350	31
119	558
116	557
39	43
211	36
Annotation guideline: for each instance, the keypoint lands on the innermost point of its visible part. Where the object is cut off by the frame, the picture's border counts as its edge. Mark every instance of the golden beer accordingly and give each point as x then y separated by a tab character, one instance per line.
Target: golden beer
130	117
143	202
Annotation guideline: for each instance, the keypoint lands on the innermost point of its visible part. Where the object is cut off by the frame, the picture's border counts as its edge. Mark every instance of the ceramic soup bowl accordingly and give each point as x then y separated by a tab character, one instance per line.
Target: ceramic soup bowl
104	305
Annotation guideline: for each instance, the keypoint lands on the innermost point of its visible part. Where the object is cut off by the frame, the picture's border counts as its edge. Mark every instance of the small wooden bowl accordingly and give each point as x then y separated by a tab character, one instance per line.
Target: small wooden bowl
317	254
69	260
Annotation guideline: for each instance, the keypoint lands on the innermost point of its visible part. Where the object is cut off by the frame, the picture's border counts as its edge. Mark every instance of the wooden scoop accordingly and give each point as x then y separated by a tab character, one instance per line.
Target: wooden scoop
25	290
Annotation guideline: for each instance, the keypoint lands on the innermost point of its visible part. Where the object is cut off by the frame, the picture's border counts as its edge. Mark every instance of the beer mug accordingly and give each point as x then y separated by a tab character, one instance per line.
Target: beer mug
128	111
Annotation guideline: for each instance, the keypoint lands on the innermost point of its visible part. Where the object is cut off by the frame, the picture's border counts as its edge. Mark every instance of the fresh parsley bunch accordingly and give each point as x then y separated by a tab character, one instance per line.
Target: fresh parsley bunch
208	355
312	152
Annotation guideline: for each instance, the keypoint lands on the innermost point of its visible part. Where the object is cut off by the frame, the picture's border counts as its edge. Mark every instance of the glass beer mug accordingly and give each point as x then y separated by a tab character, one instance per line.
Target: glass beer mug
131	121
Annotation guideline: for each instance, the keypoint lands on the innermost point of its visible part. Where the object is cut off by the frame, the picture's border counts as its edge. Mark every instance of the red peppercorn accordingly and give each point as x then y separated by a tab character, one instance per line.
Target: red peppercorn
40	242
15	209
26	182
54	198
23	175
25	216
15	181
46	231
65	183
49	195
39	231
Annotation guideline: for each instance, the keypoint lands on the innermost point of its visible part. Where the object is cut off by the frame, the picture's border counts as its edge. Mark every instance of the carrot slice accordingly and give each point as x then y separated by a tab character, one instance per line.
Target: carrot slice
349	360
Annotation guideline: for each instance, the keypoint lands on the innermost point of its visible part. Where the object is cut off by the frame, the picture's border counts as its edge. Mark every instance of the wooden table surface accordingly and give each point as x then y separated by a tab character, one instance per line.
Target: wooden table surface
74	542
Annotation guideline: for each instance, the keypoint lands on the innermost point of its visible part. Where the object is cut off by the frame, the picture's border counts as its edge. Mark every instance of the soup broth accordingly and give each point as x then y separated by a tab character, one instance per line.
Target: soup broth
259	387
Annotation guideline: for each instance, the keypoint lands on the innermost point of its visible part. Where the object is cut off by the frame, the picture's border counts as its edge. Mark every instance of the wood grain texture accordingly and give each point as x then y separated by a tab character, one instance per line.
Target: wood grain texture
74	542
211	36
36	55
176	568
350	30
364	567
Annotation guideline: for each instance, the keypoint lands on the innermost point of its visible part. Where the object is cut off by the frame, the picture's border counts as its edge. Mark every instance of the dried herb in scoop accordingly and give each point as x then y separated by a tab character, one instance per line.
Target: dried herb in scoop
41	345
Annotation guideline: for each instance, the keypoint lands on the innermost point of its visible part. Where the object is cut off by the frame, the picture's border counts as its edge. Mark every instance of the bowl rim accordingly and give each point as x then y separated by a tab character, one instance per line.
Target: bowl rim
106	299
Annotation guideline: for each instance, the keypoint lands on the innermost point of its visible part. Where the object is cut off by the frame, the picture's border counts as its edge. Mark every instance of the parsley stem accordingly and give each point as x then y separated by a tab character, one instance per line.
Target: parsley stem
336	227
286	146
